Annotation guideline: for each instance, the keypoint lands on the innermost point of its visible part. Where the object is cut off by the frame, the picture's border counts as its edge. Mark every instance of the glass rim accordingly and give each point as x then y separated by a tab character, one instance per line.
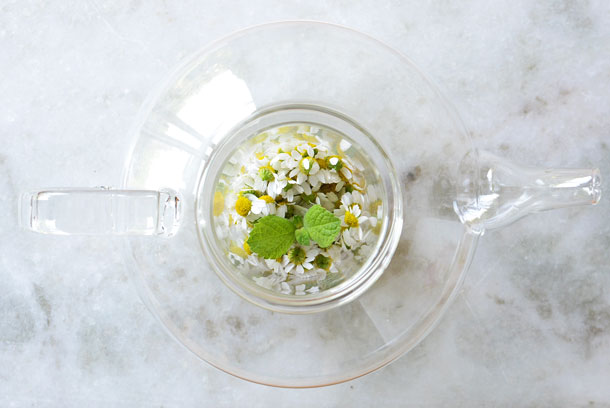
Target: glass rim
341	294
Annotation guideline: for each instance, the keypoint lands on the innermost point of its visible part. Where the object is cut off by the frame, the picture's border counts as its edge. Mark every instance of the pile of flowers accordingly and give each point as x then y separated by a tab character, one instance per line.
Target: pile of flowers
296	210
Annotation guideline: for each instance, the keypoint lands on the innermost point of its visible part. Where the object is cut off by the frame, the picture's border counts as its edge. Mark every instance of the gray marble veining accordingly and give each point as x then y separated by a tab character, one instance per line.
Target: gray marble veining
531	326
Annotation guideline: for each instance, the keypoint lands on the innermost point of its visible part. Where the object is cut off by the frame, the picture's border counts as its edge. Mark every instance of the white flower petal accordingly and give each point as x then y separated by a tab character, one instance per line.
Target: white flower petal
313	180
347	199
260	185
344	145
306	188
315	168
285	288
346	173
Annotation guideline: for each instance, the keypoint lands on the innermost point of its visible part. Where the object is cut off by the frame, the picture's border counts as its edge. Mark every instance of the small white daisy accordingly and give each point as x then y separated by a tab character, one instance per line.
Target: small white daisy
276	186
264	205
352	217
308	168
293	191
299	259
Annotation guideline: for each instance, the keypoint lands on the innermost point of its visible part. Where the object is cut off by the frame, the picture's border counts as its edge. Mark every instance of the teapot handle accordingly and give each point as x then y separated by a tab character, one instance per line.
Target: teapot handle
101	211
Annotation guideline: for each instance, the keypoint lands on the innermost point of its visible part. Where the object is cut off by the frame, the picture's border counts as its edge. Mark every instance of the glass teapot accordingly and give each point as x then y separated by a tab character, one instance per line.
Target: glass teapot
440	195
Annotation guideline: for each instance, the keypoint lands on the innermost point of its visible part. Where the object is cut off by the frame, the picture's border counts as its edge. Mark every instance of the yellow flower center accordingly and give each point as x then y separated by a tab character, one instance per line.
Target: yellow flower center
297	255
247	248
351	220
219	203
243	206
267	199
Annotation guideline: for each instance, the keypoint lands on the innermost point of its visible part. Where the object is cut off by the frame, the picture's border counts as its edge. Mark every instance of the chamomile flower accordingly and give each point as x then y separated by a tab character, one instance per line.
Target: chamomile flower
291	190
307	168
277	185
283	161
260	184
299	259
276	266
352	217
264	205
306	149
325	262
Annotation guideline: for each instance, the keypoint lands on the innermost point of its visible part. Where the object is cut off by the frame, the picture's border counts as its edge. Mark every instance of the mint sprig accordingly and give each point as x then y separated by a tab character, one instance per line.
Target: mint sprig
322	225
272	236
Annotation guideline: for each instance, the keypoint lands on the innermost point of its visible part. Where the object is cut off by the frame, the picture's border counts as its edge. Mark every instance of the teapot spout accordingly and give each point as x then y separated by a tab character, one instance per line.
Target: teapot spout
495	192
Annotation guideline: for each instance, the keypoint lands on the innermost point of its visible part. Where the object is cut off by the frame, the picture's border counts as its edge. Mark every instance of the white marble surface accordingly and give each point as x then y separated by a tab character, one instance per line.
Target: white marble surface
531	326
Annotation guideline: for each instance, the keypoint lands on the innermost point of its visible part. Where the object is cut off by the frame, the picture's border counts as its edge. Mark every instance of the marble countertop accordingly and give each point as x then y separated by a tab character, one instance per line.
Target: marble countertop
531	326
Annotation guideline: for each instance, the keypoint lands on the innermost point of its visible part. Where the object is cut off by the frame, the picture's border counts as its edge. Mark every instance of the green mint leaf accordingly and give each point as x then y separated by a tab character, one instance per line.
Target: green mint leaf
271	237
302	236
322	225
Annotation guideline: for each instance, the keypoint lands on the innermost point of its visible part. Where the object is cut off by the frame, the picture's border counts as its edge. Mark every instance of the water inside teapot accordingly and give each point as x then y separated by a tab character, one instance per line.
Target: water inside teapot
298	208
